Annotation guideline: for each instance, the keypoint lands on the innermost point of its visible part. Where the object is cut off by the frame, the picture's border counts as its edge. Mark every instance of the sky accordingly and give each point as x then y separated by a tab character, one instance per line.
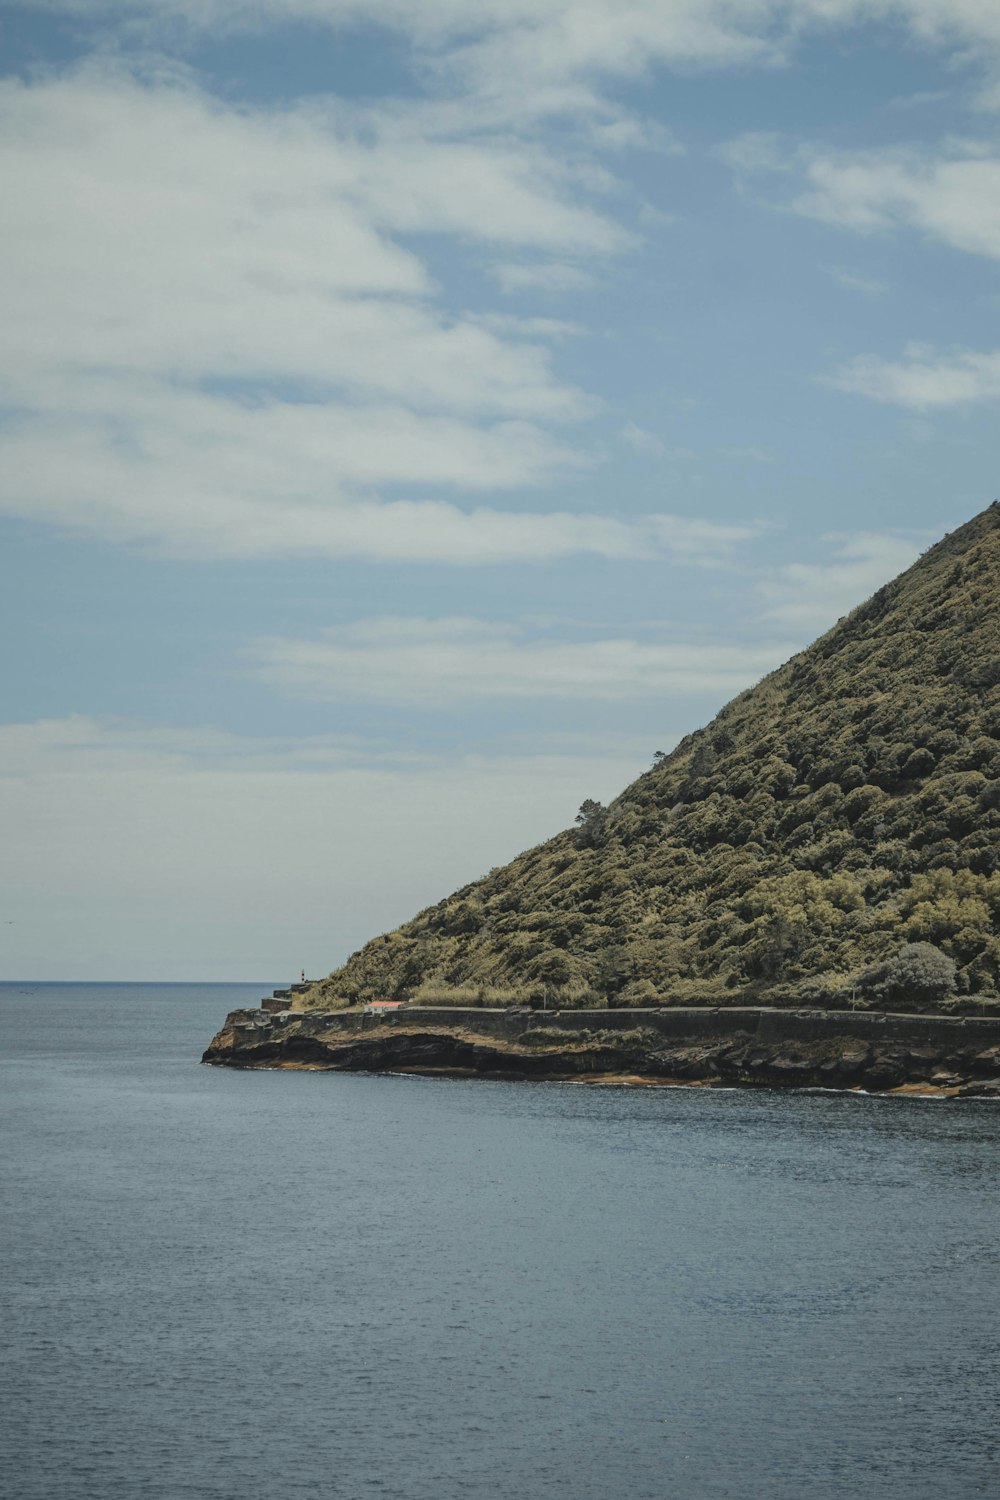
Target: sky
413	417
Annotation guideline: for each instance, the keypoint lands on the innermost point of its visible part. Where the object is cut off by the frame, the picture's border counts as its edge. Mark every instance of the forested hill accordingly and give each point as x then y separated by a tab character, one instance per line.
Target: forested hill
832	837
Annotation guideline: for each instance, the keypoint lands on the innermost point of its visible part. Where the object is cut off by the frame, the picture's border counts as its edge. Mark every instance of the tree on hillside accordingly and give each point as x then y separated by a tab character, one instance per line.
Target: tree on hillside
591	821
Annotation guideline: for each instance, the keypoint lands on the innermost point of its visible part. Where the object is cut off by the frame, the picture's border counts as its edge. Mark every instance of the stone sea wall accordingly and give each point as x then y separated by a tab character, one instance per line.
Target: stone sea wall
753	1046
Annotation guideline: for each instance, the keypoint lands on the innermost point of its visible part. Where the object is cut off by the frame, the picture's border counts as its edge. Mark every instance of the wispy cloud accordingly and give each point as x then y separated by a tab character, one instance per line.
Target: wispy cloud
458	660
856	281
167	229
213	343
223	337
641	439
924	379
950	193
952	197
199	476
613	35
809	597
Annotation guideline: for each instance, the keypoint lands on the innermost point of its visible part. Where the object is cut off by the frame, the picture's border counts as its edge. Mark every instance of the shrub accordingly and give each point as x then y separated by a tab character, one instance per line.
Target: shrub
918	973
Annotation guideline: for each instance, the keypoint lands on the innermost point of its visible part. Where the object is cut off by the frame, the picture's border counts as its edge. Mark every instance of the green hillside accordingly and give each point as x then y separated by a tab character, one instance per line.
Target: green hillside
832	837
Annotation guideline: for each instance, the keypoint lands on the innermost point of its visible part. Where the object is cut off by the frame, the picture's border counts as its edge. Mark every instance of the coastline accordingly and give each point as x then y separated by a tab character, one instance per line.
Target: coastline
755	1047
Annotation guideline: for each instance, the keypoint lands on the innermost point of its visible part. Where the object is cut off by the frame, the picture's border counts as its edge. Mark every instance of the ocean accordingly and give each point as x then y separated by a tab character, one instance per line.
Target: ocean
261	1286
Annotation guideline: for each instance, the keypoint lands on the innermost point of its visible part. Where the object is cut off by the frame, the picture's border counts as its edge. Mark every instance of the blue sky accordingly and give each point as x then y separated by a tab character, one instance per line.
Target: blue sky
415	416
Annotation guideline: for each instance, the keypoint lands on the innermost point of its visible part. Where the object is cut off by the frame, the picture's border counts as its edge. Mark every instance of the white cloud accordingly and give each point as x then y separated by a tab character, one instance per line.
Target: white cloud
704	543
217	343
153	228
954	198
213	345
551	41
642	440
810	597
458	660
923	380
972	24
548	49
951	194
213	348
203	476
134	852
504	194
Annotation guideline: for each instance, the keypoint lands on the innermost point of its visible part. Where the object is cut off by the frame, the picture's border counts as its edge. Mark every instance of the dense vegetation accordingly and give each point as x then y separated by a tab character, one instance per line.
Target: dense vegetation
832	837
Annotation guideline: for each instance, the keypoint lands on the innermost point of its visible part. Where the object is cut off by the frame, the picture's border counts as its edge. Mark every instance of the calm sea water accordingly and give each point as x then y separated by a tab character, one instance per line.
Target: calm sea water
259	1286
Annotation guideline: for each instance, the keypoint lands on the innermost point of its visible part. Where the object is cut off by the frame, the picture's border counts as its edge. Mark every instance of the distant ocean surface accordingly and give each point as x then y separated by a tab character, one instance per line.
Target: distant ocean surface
260	1286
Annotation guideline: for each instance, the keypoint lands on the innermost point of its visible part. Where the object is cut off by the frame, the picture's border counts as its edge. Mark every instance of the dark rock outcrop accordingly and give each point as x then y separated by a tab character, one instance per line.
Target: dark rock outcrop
958	1056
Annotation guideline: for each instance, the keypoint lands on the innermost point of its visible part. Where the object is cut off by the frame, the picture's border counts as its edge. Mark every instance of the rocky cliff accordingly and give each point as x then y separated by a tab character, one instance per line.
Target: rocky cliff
754	1047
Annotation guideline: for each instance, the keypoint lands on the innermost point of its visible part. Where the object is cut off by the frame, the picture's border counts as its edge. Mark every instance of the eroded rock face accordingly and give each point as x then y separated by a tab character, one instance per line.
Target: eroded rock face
952	1059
